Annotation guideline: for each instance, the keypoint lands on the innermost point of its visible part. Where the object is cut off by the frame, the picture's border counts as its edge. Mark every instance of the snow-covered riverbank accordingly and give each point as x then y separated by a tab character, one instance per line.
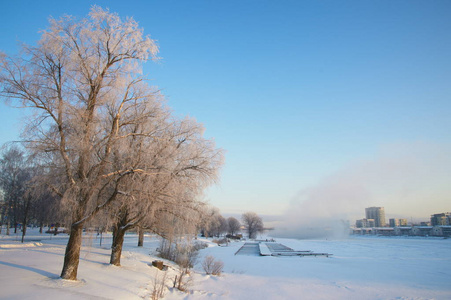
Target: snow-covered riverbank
360	268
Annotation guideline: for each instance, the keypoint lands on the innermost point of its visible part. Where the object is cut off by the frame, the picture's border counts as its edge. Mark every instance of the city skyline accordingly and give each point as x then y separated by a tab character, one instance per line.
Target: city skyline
323	108
376	217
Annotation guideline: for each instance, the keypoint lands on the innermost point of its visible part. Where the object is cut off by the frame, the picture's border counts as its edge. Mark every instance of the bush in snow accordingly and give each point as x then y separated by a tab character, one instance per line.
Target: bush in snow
212	266
182	253
158	286
220	242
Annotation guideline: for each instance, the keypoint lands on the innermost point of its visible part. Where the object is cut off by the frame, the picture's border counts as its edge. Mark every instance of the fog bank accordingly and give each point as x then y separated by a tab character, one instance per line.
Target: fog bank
410	180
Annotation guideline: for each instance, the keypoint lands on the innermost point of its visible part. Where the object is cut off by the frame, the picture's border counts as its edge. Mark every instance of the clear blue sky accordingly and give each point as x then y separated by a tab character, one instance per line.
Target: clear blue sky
296	92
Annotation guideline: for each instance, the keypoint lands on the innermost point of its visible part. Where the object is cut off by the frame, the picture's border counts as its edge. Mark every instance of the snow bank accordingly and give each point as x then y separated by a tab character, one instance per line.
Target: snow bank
25	245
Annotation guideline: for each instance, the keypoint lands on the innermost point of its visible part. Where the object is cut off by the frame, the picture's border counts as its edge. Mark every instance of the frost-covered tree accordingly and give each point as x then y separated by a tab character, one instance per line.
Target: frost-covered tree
47	208
184	163
209	221
223	227
253	224
233	225
213	223
27	199
103	135
15	175
83	81
217	226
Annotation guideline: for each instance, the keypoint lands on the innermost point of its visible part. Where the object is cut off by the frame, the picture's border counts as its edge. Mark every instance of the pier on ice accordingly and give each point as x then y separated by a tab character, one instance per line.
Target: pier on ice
265	248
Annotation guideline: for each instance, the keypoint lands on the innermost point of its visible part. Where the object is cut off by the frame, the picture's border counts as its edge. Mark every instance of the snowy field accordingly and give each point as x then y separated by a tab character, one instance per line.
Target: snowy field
360	268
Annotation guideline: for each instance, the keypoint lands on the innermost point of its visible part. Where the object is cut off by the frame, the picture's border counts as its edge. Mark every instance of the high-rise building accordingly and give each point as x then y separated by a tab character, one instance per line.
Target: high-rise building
376	213
441	219
397	222
393	222
402	222
364	223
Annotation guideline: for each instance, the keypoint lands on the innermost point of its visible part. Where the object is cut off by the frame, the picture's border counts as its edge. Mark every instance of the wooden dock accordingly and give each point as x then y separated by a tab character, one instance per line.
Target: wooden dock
274	249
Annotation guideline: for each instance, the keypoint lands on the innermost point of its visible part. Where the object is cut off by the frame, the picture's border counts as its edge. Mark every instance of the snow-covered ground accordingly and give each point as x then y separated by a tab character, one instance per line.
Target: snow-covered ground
360	268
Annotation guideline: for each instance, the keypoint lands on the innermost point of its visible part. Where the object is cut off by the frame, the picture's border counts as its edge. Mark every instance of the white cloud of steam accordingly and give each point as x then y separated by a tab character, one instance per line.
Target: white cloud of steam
409	180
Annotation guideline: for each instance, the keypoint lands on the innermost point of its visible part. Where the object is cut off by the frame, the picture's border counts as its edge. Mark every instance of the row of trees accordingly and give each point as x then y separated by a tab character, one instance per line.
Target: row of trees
21	199
106	145
216	225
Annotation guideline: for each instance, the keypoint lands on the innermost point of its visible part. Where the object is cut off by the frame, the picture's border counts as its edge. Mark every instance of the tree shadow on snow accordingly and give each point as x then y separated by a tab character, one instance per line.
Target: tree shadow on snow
39	271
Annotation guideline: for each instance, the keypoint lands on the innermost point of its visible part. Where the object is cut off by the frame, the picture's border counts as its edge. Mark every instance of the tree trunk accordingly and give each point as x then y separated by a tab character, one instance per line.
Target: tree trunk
140	236
7	227
72	255
100	232
116	247
41	227
25	218
24	231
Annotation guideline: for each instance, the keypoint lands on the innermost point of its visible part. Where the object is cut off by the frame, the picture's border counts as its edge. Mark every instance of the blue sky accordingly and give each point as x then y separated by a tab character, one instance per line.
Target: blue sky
296	92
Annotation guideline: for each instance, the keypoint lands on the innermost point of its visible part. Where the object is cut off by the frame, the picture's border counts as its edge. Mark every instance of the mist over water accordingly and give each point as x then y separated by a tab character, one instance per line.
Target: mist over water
407	179
322	211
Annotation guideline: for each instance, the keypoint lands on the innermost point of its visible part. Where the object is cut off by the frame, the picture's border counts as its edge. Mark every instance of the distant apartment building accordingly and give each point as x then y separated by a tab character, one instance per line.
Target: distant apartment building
393	222
360	223
441	219
377	214
365	223
397	222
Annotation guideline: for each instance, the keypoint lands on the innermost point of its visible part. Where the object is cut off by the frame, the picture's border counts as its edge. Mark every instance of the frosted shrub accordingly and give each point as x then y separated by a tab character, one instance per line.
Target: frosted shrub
220	242
183	254
212	266
182	280
158	286
199	245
